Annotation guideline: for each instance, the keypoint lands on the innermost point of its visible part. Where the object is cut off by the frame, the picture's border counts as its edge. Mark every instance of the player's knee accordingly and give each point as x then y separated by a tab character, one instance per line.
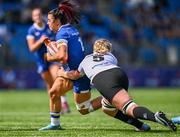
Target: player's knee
108	108
55	91
128	107
53	95
84	107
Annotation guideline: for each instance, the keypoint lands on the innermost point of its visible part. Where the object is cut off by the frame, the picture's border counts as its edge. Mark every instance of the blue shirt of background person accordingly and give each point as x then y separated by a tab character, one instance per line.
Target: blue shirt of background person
69	34
36	32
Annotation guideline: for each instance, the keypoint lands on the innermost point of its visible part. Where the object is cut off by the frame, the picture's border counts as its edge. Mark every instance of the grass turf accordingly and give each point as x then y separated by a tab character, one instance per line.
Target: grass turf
23	113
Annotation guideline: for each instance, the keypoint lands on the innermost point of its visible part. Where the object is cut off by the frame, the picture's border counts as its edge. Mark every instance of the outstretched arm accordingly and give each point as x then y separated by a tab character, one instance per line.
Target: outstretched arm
73	74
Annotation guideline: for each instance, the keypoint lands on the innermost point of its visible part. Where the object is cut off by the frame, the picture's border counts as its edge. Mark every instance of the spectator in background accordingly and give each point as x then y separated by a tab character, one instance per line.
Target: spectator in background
9	78
37	33
147	54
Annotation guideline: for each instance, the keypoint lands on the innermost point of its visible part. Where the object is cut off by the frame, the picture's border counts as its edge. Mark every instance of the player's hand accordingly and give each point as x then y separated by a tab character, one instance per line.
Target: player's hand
73	74
54	43
42	38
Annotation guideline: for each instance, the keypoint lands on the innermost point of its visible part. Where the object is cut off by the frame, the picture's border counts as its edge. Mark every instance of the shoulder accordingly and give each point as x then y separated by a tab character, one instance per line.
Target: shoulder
67	30
73	28
86	59
31	32
74	31
88	56
111	55
31	29
62	34
62	31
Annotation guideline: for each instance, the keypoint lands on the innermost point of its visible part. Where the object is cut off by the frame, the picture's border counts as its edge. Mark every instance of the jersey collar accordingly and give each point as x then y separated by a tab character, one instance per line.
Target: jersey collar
39	28
63	26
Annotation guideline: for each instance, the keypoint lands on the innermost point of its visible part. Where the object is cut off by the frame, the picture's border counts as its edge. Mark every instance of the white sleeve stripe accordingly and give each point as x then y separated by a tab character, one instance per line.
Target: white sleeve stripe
62	41
29	36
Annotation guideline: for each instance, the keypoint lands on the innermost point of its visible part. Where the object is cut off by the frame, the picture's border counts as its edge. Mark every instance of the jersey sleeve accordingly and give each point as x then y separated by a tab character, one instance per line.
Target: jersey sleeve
30	33
115	61
80	69
62	37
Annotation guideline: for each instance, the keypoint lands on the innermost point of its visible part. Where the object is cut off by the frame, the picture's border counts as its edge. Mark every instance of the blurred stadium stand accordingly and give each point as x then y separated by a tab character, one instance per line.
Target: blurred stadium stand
145	35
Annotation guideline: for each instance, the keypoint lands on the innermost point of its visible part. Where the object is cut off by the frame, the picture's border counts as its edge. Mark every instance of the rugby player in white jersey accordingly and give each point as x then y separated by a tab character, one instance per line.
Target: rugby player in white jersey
112	82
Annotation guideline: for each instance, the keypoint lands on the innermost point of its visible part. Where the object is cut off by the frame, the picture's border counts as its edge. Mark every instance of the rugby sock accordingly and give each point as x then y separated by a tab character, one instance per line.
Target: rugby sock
63	99
55	118
129	120
144	113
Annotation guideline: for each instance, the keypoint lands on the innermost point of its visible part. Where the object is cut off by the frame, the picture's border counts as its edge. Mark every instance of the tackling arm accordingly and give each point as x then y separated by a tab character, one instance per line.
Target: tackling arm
73	74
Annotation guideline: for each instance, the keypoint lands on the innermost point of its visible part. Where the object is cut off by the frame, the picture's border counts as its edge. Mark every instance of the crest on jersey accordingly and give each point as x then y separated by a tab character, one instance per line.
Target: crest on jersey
37	33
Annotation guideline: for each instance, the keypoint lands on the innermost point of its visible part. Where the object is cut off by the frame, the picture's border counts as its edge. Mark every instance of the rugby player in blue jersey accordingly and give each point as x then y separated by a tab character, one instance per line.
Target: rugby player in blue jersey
60	21
37	33
71	51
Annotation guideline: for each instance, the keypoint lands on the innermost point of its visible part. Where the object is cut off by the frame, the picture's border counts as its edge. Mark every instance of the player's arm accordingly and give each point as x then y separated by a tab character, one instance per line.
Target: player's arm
33	44
73	74
61	55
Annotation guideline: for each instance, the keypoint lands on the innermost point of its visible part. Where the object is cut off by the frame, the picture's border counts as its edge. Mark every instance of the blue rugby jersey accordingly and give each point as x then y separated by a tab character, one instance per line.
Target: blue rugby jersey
36	32
70	35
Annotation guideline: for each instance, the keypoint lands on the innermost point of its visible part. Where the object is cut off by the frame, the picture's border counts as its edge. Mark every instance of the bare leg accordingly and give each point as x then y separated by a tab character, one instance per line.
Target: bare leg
83	103
59	88
64	103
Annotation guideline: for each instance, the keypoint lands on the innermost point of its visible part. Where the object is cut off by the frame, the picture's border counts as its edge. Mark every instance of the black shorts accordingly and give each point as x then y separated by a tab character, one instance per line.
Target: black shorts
109	82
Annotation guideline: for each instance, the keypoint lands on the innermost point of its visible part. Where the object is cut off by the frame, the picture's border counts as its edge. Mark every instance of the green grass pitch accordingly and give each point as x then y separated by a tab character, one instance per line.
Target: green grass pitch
23	113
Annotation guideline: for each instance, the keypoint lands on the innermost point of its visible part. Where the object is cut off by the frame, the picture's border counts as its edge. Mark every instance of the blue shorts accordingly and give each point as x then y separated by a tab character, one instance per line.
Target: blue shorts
82	84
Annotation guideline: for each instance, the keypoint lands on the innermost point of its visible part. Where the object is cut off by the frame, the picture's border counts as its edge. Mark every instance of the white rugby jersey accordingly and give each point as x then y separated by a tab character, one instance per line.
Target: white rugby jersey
92	68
